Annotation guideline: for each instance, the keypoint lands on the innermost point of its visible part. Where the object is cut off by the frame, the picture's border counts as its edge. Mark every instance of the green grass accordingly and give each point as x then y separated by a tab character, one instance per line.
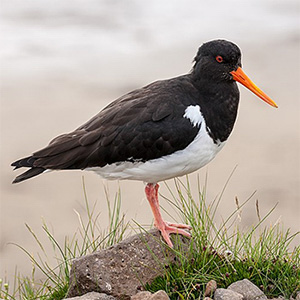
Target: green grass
222	252
88	238
226	253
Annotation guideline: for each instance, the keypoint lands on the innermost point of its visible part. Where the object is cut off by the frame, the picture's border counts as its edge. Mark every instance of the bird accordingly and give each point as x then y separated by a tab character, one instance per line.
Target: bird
166	129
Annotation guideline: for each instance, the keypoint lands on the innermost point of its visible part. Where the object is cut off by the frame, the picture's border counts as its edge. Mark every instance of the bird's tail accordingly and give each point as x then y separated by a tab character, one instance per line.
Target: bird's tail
27	162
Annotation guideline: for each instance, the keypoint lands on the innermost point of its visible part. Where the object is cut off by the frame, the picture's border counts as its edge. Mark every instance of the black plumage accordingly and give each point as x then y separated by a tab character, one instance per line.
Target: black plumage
142	125
148	123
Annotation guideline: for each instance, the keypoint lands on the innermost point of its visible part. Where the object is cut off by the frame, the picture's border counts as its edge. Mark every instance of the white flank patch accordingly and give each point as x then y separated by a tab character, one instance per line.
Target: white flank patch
193	113
196	155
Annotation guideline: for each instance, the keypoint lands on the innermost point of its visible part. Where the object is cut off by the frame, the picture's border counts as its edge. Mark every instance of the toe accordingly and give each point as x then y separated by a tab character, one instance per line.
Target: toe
167	228
171	229
179	225
166	237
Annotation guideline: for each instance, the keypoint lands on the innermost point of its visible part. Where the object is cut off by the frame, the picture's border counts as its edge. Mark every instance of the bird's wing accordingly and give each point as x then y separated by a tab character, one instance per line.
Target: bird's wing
145	124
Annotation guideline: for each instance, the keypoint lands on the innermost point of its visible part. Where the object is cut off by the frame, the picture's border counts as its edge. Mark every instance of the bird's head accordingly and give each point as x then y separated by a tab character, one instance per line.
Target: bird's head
220	60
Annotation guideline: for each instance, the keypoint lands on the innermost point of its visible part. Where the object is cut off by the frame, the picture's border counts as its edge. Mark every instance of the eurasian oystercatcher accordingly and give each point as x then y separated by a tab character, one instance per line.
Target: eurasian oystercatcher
166	129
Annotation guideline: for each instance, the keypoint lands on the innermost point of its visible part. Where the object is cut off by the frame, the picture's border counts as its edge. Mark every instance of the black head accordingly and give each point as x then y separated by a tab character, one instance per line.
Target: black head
220	61
216	59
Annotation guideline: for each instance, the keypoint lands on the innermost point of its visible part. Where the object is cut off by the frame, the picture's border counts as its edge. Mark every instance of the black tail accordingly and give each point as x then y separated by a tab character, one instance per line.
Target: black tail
26	162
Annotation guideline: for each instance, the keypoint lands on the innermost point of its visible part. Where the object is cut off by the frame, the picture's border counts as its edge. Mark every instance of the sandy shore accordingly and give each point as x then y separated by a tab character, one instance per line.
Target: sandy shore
60	66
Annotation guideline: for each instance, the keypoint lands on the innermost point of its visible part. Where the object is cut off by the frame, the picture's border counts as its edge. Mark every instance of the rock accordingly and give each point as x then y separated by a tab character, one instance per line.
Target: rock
207	298
93	296
210	288
160	295
122	268
249	290
223	294
298	296
141	296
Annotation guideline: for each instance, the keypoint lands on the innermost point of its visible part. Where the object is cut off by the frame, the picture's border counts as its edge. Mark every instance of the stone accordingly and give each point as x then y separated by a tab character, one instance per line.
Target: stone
122	269
223	294
249	290
160	295
141	296
210	288
93	296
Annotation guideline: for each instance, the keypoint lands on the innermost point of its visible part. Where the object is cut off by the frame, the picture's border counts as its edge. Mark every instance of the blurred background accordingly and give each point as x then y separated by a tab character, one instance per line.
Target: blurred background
63	61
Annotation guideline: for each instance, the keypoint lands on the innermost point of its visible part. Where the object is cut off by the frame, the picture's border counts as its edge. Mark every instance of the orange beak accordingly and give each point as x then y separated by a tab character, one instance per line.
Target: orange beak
242	78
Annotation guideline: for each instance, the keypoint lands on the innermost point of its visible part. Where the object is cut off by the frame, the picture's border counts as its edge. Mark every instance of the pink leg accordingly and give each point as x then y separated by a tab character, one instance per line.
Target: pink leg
165	228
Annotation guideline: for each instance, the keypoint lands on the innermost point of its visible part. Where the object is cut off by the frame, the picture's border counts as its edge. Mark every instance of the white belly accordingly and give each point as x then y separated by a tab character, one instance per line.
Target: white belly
200	152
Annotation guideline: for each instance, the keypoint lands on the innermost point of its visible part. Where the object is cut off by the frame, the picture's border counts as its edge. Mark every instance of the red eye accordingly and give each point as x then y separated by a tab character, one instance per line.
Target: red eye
219	59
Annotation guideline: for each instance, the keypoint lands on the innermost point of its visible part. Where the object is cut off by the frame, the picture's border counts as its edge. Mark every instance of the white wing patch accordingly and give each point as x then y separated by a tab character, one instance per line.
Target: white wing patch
194	115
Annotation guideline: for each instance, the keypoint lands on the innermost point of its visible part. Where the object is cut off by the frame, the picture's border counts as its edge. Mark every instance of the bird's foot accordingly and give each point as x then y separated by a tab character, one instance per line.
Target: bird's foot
167	228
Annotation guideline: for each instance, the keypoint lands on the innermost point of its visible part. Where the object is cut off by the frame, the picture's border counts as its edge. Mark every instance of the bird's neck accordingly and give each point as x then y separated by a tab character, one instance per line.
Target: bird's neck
219	105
